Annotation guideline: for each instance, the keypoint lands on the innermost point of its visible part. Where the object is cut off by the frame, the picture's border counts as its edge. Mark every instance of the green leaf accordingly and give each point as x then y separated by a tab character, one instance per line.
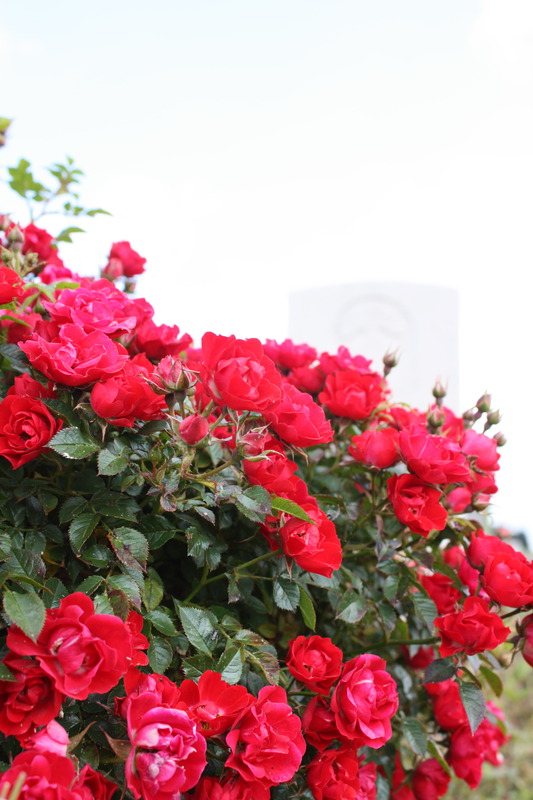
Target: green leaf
289	507
153	590
382	788
5	123
493	679
352	607
442	669
22	181
390	587
130	546
161	622
97	555
160	654
66	234
473	704
415	735
195	666
425	609
71	508
308	610
72	443
6	674
92	212
81	528
14	356
254	503
268	664
110	463
286	594
27	611
436	753
127	585
157	529
198	626
90	584
113	504
230	665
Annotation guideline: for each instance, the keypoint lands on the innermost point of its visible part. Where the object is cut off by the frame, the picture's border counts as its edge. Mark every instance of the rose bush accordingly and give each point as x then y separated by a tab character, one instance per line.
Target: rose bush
234	571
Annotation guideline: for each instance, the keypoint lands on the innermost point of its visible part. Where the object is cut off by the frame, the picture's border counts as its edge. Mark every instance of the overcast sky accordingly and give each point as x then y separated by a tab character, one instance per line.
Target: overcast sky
249	149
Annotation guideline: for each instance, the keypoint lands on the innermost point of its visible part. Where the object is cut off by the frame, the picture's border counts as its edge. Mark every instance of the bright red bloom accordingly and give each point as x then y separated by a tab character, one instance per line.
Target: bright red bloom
364	701
318	723
288	355
314	546
442	591
48	776
83	652
193	429
139	642
91	785
473	629
434	459
266	742
39	241
275	472
378	448
353	394
237	373
400	790
298	420
482	449
101	307
455	557
11	285
53	738
74	357
527	632
159	341
124	260
30	700
430	780
213	703
468	752
231	788
334	775
367	779
314	661
127	397
416	504
168	753
448	707
26	427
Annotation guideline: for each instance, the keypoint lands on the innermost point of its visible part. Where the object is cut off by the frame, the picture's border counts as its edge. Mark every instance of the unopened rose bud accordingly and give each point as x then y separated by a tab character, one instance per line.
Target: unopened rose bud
390	360
493	418
435	418
439	392
193	429
480	502
471	416
113	269
173	374
5	222
15	238
253	442
483	404
500	439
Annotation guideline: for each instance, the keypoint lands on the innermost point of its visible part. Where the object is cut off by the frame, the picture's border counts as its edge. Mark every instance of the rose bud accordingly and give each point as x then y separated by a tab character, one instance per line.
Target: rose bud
483	404
193	429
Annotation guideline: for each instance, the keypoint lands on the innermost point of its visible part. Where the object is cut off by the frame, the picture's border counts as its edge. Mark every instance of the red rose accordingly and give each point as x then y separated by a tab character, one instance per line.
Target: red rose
11	285
507	575
288	355
343	359
442	591
298	420
48	776
212	702
124	261
159	341
91	785
266	742
74	357
83	652
448	707
527	632
314	546
434	459
127	397
193	429
468	752
101	307
430	780
275	472
53	738
472	630
39	241
168	753
237	373
482	449
26	427
231	788
30	700
377	448
139	642
455	557
334	775
364	701
416	504
307	379
318	723
353	394
400	790
137	683
367	779
314	661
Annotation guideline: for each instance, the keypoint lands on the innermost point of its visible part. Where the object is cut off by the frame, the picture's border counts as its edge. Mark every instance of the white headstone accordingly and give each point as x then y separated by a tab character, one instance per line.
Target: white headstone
421	322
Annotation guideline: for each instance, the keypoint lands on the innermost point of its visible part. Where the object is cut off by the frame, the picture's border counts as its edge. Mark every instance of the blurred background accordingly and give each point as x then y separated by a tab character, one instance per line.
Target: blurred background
253	151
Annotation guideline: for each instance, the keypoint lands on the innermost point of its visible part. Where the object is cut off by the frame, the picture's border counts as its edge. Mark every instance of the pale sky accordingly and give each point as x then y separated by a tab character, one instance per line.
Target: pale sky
249	149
